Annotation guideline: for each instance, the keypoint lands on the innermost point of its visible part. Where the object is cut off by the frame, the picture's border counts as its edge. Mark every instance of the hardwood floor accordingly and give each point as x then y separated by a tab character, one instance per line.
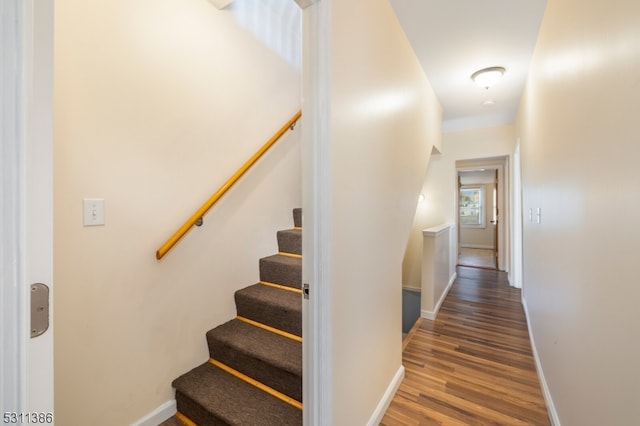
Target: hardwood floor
473	365
480	258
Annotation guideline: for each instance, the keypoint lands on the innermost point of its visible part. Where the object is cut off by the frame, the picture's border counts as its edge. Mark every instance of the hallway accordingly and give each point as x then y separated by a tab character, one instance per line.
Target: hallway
473	364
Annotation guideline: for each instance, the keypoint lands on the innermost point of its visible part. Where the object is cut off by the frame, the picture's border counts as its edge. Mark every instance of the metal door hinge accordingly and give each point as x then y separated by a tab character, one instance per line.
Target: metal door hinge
305	291
39	309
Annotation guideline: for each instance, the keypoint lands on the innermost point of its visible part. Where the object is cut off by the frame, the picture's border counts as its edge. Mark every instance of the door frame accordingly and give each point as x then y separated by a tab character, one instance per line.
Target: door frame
317	351
504	217
496	223
27	217
516	272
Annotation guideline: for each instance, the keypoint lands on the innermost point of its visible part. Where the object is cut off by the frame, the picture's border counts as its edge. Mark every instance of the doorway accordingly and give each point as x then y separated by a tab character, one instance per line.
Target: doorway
482	213
478	218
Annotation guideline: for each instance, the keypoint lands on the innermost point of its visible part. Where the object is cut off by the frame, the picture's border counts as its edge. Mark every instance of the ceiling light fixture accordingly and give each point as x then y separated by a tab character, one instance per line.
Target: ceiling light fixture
487	77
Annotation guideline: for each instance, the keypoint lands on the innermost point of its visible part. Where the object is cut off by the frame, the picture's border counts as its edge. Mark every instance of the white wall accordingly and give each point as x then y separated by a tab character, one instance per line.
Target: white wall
156	105
578	124
384	121
436	271
440	188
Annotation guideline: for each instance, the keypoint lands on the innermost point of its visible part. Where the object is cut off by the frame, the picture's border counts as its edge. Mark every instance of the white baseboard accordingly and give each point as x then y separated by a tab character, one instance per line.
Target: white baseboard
551	408
384	403
416	289
431	315
158	415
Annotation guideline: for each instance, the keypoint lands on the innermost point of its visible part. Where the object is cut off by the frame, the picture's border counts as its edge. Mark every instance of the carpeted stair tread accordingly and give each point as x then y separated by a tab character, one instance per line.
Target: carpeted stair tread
290	241
297	218
274	307
268	357
283	270
210	396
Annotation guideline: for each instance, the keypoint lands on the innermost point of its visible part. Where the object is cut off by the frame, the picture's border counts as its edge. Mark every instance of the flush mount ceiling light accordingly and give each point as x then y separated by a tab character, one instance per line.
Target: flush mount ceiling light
487	77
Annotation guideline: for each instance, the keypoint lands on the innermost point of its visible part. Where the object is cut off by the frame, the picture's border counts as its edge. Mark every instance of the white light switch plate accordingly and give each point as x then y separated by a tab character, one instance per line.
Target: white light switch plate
93	211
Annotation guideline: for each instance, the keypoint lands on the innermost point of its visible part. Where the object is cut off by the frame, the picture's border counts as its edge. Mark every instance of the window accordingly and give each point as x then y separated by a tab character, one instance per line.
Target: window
472	207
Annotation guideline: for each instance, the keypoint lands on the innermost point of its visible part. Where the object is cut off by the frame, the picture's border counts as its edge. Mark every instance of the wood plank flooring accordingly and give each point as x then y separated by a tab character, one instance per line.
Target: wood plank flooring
473	365
480	258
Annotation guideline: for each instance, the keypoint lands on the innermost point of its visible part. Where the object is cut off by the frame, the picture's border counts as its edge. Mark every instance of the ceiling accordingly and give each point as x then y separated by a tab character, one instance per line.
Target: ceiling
454	38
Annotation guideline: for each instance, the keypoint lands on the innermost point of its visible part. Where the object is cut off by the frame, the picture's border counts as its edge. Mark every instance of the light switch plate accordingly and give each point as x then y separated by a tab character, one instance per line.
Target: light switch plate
93	211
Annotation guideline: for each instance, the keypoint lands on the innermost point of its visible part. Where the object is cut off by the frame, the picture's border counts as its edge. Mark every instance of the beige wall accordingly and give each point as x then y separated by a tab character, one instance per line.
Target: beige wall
385	119
440	188
156	105
578	124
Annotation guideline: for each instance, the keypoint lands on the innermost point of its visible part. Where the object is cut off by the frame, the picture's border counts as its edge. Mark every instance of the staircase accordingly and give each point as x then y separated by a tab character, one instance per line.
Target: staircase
254	373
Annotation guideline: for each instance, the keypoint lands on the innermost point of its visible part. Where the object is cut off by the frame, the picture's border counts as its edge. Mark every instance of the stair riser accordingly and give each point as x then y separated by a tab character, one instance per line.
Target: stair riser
288	274
196	413
290	241
297	217
280	380
268	357
288	320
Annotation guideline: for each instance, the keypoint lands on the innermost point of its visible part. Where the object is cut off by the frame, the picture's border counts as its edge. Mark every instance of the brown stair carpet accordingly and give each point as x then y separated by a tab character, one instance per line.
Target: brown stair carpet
297	218
290	241
271	306
280	269
209	396
261	354
254	375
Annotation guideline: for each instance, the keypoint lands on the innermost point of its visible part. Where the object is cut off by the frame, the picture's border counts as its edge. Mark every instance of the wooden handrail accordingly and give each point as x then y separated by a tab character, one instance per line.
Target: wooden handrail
224	188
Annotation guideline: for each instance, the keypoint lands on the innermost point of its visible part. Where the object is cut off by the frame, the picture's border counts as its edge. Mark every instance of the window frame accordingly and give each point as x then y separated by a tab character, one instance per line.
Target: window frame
481	206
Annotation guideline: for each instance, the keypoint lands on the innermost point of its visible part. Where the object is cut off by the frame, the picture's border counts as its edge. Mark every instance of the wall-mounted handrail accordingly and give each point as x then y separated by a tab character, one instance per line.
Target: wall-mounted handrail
224	188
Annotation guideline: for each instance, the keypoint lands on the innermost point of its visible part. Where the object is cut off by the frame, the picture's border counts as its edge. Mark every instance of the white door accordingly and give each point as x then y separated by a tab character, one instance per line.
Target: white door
26	214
